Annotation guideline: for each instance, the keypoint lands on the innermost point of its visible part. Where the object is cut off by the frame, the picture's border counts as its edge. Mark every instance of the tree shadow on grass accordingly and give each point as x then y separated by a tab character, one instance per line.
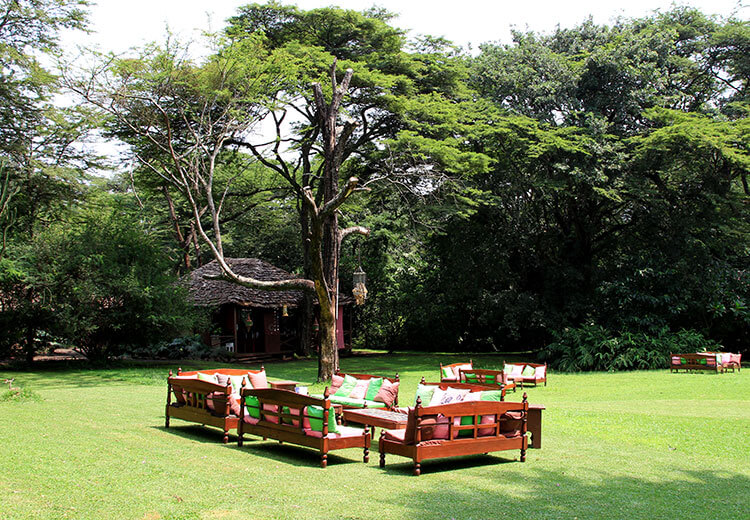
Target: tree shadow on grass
291	453
404	466
553	494
198	433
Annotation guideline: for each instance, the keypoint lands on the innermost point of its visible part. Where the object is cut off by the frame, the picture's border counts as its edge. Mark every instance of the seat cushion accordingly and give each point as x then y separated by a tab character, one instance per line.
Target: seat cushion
395	435
342	432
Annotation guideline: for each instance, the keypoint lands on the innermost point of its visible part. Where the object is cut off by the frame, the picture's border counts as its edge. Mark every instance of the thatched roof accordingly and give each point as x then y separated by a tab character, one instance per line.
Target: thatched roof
212	293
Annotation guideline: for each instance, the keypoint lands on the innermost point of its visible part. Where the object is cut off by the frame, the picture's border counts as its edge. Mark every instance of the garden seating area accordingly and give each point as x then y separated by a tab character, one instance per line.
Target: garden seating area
242	400
718	362
629	441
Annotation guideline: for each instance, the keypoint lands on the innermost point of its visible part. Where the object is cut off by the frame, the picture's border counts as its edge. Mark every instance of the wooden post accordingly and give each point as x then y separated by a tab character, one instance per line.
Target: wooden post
382	451
169	401
524	427
242	418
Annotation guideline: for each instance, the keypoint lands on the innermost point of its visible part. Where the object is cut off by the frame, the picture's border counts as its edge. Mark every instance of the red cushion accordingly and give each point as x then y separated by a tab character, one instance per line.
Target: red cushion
395	435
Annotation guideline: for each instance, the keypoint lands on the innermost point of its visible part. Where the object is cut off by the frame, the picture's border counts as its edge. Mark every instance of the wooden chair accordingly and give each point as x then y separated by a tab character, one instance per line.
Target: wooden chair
454	368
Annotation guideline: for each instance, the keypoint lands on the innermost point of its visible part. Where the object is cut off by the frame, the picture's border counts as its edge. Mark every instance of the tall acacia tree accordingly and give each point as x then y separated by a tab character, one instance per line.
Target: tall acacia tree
182	118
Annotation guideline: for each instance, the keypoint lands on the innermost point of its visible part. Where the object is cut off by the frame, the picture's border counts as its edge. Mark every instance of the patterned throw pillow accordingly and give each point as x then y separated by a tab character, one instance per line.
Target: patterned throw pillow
373	388
447	373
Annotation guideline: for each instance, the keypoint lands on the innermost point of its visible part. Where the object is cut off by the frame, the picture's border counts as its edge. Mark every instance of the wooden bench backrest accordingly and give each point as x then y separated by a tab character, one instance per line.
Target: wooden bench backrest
492	377
368	376
196	393
474	387
225	371
286	398
477	409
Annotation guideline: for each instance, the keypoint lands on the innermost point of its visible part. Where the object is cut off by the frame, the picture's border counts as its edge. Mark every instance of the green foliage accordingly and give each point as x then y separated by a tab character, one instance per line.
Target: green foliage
592	347
19	396
108	286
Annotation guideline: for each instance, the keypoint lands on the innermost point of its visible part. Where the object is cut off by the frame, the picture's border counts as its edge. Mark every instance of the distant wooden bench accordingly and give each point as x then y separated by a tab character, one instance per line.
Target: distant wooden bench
705	361
486	377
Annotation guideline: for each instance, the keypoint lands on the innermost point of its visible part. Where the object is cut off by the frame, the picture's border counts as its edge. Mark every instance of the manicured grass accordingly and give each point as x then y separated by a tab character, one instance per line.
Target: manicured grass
627	445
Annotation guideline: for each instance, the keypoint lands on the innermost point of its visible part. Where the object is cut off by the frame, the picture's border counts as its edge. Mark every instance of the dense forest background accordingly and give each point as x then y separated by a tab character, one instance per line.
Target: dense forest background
581	194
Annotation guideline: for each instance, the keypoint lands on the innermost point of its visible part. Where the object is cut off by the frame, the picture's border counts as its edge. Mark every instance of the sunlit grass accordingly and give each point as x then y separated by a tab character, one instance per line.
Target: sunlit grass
628	445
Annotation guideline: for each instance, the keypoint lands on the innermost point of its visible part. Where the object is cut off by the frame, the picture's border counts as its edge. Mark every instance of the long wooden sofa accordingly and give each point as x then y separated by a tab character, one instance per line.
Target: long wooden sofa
297	419
456	429
205	402
705	361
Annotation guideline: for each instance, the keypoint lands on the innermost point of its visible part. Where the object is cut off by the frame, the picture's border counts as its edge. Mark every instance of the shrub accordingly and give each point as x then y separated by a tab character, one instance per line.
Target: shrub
593	347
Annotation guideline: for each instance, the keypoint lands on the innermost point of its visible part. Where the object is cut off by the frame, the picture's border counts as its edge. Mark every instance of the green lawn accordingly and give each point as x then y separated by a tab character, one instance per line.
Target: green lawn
627	445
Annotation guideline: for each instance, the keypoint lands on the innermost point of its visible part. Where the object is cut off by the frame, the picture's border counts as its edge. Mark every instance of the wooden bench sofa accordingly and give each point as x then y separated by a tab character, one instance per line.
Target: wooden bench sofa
208	397
705	361
452	373
486	377
297	419
526	373
363	390
456	429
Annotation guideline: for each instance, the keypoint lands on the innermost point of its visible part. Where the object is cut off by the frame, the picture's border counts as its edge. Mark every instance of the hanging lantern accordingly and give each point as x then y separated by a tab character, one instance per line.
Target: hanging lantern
284	310
359	281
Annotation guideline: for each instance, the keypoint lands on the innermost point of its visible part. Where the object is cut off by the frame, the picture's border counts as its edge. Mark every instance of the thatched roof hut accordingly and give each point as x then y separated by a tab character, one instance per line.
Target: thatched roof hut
213	293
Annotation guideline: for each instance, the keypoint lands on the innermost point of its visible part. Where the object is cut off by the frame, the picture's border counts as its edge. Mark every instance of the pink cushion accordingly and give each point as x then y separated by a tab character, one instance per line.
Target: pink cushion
250	420
457	370
442	428
360	389
487	419
388	393
258	380
336	382
395	435
271	408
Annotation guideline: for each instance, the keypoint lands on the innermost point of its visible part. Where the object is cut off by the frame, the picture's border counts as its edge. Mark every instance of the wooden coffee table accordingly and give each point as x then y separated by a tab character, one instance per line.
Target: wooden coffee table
373	417
534	424
284	384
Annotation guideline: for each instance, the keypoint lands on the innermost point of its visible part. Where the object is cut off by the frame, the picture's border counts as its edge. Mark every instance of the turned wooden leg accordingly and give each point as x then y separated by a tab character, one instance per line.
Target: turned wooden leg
367	455
382	459
166	419
523	455
239	439
323	461
417	469
226	436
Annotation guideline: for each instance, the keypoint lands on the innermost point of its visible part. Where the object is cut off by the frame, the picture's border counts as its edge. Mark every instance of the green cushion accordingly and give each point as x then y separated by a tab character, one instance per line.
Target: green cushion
315	415
356	403
491	395
347	386
528	371
491	380
703	361
253	406
466	420
448	372
209	378
471	378
424	392
683	361
373	388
